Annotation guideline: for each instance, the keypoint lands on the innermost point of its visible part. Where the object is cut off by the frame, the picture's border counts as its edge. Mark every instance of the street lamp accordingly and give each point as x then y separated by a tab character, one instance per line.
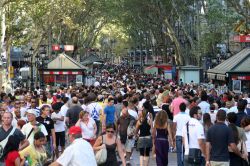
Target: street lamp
31	51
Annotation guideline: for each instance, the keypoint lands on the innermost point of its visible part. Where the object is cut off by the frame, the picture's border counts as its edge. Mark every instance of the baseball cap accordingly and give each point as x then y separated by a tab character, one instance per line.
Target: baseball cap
75	130
31	111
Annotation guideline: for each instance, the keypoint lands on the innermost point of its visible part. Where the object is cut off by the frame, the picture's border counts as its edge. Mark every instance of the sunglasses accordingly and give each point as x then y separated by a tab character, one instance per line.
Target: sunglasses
110	131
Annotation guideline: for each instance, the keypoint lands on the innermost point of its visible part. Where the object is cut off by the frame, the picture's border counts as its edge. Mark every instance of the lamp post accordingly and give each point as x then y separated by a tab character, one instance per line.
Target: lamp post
42	56
31	68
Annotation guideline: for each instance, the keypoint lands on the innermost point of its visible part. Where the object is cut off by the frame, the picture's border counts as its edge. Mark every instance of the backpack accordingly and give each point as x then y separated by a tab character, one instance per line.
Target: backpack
95	114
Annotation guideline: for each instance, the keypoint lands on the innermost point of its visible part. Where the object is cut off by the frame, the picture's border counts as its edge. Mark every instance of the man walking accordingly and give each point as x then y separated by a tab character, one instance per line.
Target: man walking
193	135
219	137
180	120
73	112
29	129
7	130
79	152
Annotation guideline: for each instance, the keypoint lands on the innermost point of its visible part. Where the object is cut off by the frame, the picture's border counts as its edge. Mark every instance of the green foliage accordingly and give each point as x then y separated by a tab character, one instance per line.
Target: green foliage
131	23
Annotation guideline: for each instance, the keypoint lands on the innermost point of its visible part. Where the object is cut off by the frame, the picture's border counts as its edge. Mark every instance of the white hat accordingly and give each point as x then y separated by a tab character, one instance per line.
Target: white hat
31	111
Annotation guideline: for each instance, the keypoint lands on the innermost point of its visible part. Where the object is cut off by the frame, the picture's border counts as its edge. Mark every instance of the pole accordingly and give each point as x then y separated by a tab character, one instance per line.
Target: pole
41	71
31	78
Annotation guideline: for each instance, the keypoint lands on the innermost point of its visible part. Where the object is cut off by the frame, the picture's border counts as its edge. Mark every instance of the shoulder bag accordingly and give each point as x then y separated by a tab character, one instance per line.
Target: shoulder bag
101	155
194	156
243	161
4	142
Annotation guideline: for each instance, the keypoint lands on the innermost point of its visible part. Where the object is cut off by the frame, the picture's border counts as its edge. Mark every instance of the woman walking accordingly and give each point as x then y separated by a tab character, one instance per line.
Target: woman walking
162	136
88	126
144	125
10	153
111	142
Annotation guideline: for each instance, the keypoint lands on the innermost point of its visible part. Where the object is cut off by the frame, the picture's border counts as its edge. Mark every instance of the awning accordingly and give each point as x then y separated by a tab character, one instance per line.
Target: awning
62	73
217	76
211	76
221	77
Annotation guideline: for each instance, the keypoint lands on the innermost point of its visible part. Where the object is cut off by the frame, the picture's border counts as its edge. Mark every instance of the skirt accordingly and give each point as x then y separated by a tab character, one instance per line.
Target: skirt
144	142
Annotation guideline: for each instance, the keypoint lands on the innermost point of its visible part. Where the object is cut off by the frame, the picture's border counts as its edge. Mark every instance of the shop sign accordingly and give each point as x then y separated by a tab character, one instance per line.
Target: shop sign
68	48
55	47
242	38
241	78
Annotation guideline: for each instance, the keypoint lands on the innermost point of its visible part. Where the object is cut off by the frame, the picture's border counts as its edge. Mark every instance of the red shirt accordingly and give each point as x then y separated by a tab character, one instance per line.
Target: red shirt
11	157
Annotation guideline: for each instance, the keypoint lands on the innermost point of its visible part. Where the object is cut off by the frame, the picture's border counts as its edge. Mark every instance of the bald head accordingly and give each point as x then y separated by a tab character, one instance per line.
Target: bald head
74	100
179	93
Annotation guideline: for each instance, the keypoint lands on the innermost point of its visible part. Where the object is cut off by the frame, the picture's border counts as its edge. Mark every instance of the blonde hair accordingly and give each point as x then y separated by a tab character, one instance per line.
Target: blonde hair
161	119
82	113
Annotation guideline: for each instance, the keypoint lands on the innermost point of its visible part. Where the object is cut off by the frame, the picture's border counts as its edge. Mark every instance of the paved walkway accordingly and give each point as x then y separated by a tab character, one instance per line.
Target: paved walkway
136	159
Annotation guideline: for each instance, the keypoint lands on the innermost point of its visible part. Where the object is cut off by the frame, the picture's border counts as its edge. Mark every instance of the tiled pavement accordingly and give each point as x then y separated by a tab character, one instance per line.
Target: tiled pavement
136	160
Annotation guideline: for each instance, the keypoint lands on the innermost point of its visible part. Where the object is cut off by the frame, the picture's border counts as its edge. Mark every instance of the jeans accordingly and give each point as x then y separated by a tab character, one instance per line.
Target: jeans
179	150
97	122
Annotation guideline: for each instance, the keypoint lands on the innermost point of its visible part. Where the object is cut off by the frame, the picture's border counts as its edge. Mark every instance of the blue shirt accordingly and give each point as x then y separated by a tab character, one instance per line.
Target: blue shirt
110	114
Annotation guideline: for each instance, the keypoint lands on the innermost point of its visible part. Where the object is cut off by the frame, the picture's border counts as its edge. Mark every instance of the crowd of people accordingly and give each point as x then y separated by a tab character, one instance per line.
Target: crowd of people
123	112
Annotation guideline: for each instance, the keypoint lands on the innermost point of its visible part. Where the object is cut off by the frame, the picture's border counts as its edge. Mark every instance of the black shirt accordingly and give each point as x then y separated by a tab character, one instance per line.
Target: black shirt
73	114
144	128
240	116
17	134
48	124
219	136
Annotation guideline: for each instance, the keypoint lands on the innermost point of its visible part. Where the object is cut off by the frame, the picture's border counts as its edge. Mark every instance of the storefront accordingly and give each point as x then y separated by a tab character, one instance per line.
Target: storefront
63	70
188	74
165	70
235	72
240	81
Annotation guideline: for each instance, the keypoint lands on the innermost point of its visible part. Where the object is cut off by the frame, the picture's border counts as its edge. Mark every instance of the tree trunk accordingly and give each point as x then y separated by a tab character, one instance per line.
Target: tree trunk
3	32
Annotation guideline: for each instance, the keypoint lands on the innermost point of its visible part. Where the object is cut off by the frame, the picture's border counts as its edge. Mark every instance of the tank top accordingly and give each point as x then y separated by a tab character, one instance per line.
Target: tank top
144	129
111	152
162	133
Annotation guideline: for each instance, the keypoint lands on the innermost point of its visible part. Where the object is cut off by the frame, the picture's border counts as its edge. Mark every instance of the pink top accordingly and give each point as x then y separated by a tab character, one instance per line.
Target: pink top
176	104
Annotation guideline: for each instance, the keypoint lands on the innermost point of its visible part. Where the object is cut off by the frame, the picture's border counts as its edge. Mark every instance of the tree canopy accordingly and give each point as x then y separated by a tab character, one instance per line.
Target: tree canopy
183	29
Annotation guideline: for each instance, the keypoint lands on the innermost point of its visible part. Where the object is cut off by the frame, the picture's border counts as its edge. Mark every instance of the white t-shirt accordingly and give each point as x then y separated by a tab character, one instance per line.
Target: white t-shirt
233	109
248	141
63	111
213	116
91	107
133	113
58	124
79	153
205	107
141	103
84	107
88	129
27	128
96	84
181	120
23	111
196	131
156	109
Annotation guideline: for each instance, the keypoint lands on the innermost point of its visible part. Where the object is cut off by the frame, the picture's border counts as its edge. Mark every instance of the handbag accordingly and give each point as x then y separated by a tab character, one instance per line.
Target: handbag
243	161
101	155
194	156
